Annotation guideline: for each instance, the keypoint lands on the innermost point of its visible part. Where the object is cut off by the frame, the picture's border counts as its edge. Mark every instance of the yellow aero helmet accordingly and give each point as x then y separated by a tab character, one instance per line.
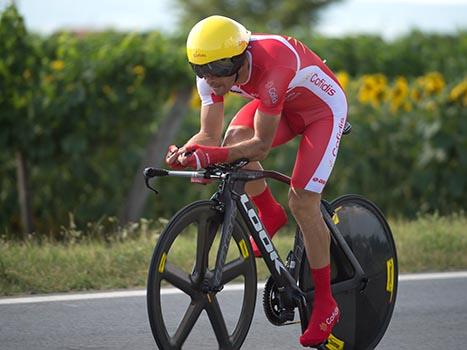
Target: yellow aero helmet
215	38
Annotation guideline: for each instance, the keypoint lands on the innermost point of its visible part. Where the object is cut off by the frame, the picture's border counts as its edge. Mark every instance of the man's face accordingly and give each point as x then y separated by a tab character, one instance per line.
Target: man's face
220	85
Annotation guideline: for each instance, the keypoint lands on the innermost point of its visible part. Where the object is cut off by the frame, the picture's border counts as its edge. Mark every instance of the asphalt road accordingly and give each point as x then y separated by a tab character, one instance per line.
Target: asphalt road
429	314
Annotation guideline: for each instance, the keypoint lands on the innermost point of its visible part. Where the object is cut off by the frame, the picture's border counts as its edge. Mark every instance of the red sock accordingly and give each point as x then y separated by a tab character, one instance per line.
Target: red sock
271	214
325	313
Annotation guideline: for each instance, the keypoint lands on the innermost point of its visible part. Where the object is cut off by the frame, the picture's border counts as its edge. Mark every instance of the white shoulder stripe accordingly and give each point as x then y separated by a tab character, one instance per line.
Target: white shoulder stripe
283	41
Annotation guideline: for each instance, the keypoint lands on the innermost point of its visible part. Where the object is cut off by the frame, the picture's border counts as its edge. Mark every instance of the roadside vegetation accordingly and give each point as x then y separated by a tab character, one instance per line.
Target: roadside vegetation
80	112
94	261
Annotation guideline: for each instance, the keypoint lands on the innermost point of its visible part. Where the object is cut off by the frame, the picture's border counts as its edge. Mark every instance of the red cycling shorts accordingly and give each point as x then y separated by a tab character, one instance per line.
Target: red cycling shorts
320	130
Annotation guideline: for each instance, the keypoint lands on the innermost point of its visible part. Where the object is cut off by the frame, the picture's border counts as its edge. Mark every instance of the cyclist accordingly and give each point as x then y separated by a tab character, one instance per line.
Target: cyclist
292	93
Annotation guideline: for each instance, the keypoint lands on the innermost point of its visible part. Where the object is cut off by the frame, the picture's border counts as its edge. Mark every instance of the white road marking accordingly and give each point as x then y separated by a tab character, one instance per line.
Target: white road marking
432	276
172	291
102	295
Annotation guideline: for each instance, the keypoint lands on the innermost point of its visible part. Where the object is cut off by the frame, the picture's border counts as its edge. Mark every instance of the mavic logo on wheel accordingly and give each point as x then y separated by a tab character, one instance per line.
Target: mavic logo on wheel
334	343
265	240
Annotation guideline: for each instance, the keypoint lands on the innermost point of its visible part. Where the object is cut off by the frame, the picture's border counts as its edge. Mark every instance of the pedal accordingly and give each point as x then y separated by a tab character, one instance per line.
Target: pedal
321	346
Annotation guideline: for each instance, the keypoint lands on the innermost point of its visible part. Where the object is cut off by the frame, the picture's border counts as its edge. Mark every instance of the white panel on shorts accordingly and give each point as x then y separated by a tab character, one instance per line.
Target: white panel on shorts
322	85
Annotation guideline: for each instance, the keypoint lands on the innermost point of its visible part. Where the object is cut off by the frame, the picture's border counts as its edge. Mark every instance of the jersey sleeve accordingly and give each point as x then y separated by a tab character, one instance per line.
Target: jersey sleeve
272	89
207	96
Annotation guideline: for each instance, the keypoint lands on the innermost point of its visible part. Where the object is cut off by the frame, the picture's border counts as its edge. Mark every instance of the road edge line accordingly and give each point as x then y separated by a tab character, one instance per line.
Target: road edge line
174	291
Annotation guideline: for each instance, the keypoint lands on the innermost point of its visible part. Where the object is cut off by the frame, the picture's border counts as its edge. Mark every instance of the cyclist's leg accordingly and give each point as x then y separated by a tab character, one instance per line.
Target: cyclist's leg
241	128
315	159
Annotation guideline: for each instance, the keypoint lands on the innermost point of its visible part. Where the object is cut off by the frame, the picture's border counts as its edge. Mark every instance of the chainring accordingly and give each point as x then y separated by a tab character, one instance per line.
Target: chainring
272	305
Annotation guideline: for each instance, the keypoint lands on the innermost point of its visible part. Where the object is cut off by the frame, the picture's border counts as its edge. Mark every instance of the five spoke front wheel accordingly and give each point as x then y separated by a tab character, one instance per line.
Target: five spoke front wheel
182	263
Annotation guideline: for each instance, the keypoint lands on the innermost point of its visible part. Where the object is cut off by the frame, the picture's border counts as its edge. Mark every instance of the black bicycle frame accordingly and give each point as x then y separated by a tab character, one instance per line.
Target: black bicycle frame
233	199
359	279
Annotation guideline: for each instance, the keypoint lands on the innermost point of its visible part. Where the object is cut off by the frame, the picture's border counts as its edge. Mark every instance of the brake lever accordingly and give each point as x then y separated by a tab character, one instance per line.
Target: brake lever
149	173
146	180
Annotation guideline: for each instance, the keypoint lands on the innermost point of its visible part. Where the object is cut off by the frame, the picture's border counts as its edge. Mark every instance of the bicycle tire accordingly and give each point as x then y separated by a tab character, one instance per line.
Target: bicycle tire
203	216
365	314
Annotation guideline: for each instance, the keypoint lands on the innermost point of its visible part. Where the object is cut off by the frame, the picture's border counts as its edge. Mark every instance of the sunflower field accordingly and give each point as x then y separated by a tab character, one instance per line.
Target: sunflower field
408	146
77	111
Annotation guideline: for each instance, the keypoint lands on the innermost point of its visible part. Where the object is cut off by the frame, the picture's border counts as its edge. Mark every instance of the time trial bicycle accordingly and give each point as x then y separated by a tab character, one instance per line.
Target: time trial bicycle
364	269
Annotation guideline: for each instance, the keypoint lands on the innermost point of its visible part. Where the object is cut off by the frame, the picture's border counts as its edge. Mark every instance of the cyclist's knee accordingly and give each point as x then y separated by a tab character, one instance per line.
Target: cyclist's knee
237	134
304	203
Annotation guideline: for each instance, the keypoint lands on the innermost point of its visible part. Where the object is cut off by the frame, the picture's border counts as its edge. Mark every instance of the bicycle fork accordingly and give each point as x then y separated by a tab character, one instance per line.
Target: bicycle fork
230	212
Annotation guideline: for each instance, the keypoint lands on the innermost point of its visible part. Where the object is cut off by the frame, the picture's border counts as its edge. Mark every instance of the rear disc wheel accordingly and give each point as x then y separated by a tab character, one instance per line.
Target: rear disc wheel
365	314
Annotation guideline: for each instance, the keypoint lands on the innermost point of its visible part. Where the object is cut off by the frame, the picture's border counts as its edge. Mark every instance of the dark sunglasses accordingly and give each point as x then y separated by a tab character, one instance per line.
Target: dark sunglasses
220	68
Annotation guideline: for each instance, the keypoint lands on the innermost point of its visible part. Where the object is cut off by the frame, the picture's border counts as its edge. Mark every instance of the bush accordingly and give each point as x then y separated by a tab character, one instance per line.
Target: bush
80	108
407	148
412	55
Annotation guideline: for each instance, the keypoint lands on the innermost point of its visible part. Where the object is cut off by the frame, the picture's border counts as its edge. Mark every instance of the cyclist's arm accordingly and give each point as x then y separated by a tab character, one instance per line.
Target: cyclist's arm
258	147
210	133
212	124
272	90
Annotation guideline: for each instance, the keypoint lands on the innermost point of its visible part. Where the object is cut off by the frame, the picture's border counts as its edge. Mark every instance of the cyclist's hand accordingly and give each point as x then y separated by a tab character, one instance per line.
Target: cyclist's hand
199	157
172	157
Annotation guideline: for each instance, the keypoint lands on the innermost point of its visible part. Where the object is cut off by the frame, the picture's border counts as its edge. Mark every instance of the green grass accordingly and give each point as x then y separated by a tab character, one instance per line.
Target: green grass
49	267
430	243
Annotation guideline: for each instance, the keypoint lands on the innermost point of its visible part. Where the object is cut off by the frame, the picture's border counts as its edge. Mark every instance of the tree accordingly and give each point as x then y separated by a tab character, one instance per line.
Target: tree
76	112
155	152
273	16
18	71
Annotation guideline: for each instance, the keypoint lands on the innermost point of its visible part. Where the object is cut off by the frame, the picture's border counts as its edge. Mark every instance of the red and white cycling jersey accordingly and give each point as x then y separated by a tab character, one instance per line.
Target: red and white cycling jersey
287	78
